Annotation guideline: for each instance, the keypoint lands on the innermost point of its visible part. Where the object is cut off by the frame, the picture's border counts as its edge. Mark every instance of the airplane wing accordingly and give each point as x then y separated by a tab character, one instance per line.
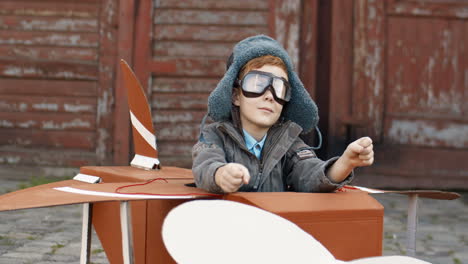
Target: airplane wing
431	194
75	192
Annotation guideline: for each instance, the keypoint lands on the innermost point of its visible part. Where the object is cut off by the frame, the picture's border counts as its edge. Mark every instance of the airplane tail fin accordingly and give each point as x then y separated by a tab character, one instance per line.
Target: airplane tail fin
144	138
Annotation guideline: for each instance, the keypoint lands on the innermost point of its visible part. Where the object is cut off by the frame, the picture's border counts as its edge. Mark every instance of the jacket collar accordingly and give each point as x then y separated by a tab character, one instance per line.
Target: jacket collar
280	137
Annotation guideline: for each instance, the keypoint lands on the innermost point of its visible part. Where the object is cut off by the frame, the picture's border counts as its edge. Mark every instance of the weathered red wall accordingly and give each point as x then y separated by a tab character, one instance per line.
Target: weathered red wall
392	70
56	84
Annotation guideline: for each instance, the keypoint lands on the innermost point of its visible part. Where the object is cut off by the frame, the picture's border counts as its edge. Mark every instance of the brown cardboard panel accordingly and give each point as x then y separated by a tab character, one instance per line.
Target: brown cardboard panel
349	225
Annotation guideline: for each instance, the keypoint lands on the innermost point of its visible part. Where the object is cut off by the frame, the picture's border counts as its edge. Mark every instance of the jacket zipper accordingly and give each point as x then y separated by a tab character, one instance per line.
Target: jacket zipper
257	182
259	175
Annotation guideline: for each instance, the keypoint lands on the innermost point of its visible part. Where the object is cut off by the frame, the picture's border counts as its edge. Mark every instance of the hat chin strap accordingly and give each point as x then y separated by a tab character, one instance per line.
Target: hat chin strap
319	135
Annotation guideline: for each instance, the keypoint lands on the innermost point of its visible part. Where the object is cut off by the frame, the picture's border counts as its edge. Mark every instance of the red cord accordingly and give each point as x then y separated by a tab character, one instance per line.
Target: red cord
343	189
117	190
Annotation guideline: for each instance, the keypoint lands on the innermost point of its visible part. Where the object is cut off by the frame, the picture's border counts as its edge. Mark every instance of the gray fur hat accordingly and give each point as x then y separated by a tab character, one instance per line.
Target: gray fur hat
301	109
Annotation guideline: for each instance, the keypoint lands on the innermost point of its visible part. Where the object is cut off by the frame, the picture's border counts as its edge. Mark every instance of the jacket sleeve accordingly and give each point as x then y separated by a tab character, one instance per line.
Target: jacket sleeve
207	156
307	173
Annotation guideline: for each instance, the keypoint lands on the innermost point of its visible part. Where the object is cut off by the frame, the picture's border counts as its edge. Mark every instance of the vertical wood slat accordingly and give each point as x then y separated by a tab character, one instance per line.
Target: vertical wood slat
308	45
338	81
271	18
107	62
121	111
287	26
143	37
441	9
369	67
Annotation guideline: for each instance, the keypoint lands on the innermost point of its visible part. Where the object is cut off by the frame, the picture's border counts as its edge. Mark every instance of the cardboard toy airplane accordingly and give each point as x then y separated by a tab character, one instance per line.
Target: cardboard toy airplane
162	188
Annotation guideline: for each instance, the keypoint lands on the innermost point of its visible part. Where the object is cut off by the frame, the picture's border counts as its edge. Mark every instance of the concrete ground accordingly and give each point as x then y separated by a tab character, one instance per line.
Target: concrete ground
53	235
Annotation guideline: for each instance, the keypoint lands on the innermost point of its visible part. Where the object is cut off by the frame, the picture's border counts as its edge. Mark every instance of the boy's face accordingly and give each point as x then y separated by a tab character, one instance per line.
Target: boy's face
260	113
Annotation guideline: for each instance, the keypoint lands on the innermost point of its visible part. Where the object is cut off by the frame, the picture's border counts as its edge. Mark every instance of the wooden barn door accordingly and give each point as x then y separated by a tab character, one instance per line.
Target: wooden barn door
410	90
57	61
180	54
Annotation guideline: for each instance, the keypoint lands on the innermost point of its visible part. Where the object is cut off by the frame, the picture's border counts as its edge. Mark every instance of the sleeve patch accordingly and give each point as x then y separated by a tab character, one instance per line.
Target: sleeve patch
305	154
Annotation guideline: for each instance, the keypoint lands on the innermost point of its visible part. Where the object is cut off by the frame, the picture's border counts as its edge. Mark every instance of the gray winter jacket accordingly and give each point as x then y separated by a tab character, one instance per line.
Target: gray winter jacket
287	163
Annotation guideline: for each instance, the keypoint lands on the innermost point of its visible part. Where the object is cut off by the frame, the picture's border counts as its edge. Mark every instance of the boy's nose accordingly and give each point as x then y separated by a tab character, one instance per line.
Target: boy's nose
268	95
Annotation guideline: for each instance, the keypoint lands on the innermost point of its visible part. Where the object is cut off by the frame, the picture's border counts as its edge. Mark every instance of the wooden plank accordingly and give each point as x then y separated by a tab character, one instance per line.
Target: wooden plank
176	148
272	18
35	38
179	101
189	67
144	37
308	57
48	121
46	157
30	23
176	153
427	133
47	87
33	138
426	67
49	53
441	9
334	87
408	167
308	45
184	85
178	161
287	26
179	132
48	69
162	67
214	4
13	103
369	71
108	18
177	117
206	33
210	17
83	9
192	49
121	133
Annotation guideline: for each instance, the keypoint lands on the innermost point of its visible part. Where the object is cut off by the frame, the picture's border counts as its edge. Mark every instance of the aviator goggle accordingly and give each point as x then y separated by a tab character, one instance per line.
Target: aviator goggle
256	83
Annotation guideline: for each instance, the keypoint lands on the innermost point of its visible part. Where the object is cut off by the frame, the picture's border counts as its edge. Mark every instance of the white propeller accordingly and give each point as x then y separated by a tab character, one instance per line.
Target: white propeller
220	231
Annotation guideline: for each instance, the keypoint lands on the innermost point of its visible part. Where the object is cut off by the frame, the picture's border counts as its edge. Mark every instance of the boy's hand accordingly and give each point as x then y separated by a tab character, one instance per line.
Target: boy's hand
231	176
360	153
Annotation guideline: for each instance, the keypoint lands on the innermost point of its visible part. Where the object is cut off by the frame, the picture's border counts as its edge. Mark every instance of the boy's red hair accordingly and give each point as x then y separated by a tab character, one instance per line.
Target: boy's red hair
260	62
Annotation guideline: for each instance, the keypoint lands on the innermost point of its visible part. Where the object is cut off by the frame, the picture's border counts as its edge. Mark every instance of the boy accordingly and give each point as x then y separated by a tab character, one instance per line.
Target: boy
260	107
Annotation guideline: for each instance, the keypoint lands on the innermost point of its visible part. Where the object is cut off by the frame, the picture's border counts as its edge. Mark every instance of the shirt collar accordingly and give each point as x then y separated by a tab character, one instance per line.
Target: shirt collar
250	141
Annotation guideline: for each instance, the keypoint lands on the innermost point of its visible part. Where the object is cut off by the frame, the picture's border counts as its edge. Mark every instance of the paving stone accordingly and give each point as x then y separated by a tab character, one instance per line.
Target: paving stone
23	255
63	258
27	248
5	260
